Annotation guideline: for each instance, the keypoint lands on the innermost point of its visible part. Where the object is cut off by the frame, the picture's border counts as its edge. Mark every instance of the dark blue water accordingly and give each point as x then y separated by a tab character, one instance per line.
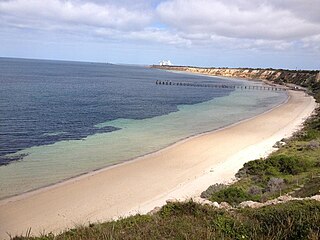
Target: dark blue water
42	102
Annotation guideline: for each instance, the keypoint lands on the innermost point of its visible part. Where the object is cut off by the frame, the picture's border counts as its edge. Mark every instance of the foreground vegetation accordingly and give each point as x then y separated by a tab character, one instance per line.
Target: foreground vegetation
294	220
294	169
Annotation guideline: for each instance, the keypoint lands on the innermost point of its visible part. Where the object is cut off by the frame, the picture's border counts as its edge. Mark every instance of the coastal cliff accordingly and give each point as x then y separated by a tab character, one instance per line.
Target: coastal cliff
300	77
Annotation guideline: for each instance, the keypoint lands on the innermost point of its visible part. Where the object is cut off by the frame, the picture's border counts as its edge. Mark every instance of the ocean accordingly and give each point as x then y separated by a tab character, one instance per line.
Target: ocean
60	119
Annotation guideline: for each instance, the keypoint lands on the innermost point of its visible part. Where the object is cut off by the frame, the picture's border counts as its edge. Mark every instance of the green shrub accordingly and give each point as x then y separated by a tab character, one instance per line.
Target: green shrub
256	167
276	165
255	190
292	220
310	188
231	195
212	189
174	209
275	184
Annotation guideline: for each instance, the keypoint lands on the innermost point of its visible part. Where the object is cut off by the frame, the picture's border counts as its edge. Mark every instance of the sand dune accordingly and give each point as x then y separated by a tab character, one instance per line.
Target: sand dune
179	171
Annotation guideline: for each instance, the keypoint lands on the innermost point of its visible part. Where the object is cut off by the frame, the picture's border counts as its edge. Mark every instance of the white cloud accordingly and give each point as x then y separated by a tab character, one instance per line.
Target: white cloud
224	24
159	36
305	9
148	35
104	19
40	13
312	42
241	18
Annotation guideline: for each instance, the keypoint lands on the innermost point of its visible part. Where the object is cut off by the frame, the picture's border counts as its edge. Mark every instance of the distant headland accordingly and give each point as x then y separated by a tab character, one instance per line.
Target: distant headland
303	78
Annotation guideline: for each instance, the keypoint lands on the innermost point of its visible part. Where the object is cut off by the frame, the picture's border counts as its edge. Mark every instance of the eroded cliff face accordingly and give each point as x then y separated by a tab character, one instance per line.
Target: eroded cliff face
279	76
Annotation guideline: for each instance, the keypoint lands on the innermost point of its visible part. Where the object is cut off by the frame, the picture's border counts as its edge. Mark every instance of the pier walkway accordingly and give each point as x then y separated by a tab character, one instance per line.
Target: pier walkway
210	85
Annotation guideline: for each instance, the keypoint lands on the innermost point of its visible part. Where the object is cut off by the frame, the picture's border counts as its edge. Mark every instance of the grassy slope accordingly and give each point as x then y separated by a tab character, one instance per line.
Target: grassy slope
293	169
297	164
294	220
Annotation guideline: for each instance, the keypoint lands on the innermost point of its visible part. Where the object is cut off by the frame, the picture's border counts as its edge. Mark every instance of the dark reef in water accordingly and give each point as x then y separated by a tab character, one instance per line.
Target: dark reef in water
43	102
8	155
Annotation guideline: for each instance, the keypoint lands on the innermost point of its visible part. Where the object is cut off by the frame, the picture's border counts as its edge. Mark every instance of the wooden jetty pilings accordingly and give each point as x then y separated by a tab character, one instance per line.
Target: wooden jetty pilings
209	85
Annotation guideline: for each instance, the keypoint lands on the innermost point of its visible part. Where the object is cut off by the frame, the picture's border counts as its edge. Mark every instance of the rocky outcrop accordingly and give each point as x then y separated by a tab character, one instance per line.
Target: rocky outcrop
252	204
279	76
245	204
281	199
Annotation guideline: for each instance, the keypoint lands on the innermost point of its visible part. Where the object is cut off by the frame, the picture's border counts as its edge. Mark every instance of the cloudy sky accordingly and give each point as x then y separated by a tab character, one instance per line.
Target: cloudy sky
232	33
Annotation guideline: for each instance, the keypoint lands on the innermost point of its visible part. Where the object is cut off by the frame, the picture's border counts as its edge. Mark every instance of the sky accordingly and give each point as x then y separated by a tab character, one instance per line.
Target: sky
212	33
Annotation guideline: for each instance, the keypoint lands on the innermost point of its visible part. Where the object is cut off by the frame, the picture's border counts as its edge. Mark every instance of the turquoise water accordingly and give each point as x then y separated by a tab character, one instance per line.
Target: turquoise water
43	102
135	137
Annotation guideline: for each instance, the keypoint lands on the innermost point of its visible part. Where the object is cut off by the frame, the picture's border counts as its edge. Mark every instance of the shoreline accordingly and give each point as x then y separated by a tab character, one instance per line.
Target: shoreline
29	193
75	178
188	178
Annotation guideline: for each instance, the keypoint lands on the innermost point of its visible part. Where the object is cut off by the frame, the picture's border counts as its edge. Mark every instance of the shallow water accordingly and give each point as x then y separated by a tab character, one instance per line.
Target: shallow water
42	102
153	118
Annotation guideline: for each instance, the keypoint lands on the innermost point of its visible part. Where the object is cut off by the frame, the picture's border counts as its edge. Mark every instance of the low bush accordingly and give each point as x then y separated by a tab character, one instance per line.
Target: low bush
275	184
276	165
212	189
231	195
292	220
310	188
255	190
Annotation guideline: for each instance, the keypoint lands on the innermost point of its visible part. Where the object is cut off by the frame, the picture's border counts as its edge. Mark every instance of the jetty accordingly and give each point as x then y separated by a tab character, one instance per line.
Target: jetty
210	85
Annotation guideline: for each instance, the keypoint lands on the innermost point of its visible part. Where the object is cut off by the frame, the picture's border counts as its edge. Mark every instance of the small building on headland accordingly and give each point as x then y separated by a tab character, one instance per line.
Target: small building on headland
165	63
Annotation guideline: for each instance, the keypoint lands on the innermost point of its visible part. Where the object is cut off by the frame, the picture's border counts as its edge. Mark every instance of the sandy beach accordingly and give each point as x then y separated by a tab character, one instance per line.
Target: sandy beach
180	171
